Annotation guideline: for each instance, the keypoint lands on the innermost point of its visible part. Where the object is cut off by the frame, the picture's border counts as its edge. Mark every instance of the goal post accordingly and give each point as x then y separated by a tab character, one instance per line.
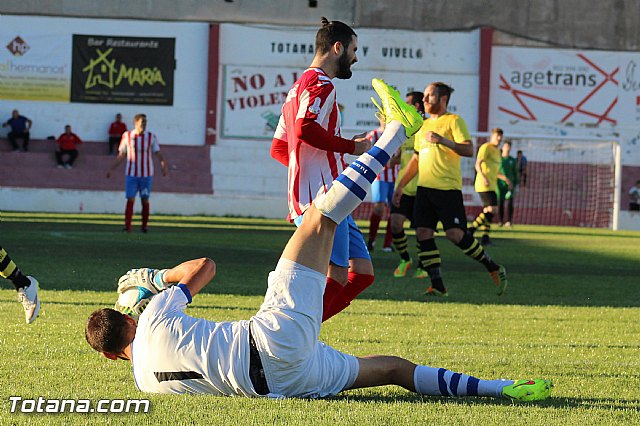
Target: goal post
570	181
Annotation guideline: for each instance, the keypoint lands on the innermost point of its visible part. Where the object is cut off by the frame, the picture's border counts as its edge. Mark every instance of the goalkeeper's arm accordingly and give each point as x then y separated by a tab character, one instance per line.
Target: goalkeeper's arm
194	274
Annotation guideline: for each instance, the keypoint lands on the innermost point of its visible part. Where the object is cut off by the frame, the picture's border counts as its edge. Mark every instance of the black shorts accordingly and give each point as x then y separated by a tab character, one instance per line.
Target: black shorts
433	205
405	208
489	198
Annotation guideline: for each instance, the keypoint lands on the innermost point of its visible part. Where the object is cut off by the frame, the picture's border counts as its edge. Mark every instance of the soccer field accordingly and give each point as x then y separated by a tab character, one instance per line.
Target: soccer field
571	314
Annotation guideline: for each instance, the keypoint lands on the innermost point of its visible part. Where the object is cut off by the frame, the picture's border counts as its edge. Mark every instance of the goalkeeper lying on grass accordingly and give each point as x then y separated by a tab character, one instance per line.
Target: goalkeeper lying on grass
276	352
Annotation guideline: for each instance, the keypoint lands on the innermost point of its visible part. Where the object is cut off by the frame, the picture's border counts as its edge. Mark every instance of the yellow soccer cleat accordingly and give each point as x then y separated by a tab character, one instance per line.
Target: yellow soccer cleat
528	390
394	108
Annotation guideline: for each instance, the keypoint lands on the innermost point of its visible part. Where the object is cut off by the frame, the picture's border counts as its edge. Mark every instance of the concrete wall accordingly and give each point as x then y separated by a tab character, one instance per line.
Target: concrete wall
610	24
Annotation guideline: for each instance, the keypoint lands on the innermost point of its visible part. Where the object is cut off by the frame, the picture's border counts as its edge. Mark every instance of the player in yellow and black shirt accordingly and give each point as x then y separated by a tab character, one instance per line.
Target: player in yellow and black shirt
439	144
404	209
488	171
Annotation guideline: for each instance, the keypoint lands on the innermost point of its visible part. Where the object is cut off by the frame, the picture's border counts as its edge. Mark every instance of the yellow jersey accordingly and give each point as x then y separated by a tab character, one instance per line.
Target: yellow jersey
490	167
439	166
406	153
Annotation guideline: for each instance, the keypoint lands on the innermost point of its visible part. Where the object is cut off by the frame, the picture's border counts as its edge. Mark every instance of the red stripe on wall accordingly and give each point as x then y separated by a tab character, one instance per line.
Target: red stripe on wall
486	44
212	84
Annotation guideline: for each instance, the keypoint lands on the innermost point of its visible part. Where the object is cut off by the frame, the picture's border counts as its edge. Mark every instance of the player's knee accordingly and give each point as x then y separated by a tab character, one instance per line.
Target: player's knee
397	222
378	209
424	233
454	235
339	274
395	367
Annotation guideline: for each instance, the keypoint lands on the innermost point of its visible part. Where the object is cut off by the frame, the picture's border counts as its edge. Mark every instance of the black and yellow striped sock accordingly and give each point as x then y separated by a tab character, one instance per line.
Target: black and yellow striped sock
430	261
480	220
400	244
435	276
10	271
487	224
472	248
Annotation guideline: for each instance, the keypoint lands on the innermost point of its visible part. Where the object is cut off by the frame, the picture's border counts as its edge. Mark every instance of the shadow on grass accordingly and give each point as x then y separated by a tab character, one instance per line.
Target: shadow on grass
97	305
566	269
553	402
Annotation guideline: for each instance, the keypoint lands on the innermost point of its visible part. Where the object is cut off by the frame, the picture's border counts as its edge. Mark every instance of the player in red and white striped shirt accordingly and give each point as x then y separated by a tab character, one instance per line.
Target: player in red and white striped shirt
309	143
381	194
138	146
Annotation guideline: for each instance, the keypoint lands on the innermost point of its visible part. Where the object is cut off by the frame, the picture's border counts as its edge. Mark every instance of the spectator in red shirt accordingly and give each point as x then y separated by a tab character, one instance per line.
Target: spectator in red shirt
67	143
116	130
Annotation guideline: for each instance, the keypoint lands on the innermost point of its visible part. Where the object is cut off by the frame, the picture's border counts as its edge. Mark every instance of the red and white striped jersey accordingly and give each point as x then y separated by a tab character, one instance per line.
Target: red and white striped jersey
311	169
139	150
388	173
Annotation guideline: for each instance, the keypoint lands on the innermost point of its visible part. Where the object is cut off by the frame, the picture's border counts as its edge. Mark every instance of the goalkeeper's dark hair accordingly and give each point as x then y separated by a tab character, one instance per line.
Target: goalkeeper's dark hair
107	331
331	32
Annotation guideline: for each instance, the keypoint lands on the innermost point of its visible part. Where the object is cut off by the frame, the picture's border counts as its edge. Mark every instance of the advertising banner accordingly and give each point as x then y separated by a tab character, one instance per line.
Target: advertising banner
258	75
412	51
34	67
122	70
253	97
565	87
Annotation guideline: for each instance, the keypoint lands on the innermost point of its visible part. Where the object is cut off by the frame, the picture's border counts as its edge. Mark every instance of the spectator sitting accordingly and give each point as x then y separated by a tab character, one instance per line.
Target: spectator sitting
67	143
20	126
634	194
116	130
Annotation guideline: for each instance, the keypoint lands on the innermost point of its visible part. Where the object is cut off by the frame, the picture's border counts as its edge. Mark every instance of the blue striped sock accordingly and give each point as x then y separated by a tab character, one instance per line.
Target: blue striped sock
351	187
442	382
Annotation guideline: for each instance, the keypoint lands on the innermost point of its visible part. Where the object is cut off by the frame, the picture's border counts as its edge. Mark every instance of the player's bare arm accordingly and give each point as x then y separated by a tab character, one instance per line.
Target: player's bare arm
479	163
410	172
463	149
506	180
194	274
121	156
163	163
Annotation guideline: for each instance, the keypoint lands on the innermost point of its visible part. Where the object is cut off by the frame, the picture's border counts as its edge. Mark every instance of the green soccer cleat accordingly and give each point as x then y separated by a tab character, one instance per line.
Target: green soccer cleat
402	269
528	390
500	279
420	273
394	108
435	292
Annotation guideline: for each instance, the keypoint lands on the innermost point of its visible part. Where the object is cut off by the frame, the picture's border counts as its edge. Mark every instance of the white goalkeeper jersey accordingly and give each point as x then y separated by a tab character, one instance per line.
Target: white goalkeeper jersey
175	353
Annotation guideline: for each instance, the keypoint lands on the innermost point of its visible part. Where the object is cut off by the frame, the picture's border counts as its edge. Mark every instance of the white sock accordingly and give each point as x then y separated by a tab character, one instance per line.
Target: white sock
441	382
351	187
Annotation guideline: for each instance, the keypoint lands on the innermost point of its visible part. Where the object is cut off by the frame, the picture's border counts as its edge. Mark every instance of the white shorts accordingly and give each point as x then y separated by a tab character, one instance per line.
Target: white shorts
286	331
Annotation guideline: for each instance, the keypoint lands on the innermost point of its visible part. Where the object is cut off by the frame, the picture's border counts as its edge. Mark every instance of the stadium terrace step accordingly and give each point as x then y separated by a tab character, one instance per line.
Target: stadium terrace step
189	168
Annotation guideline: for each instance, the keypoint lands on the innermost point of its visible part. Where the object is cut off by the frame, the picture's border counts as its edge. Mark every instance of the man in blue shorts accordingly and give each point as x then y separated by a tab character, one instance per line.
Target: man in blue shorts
307	141
137	146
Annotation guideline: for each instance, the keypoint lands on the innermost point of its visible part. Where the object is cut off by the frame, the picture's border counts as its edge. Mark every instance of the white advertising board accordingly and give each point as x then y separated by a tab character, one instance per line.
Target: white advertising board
256	76
35	69
576	88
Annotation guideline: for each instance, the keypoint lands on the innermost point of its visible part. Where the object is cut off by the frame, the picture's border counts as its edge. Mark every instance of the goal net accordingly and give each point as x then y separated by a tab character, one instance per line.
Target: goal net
569	181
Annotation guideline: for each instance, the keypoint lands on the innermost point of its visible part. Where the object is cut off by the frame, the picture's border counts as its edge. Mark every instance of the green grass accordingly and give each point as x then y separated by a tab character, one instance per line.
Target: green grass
571	314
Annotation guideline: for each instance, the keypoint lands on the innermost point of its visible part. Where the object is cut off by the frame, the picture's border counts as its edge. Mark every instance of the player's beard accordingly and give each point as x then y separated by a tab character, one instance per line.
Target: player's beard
344	67
433	108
